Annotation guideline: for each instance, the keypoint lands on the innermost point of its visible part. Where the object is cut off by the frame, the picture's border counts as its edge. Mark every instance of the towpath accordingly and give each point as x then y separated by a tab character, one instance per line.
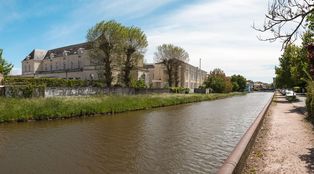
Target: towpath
285	143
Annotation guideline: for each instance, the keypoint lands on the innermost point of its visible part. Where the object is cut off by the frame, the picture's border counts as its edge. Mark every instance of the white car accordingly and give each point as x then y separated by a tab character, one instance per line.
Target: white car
290	95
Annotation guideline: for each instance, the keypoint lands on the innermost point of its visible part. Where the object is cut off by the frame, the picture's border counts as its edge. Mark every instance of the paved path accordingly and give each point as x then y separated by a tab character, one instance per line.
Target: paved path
285	143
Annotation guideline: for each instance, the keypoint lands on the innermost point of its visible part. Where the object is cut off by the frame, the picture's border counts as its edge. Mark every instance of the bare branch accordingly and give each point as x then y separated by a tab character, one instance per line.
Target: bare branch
281	16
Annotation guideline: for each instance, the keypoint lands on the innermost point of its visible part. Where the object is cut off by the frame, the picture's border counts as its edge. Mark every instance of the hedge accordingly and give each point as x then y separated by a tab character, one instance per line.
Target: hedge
51	82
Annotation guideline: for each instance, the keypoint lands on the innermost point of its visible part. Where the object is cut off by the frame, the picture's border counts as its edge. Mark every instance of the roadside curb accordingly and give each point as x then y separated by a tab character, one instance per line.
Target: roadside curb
237	159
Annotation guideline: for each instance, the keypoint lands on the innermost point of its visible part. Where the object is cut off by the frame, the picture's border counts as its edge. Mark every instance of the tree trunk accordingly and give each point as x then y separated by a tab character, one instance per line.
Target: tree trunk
127	70
169	71
108	69
176	76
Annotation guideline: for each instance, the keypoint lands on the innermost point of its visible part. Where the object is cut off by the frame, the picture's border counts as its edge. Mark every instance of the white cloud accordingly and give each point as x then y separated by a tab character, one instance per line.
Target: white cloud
16	71
220	33
90	12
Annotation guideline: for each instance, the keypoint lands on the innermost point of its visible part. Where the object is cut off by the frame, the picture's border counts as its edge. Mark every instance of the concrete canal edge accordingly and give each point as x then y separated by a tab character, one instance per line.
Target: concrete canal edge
237	159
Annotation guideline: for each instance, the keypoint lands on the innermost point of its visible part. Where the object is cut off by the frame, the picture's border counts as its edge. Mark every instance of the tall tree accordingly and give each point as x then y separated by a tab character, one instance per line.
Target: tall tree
238	82
284	73
218	81
5	67
105	38
283	15
171	57
133	45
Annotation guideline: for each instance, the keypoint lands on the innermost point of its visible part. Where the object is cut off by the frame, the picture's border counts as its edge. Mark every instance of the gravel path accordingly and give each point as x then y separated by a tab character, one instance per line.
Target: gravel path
285	143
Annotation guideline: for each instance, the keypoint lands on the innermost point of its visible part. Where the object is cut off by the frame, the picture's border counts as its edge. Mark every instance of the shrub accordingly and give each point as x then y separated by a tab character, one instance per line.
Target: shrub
180	90
310	101
51	82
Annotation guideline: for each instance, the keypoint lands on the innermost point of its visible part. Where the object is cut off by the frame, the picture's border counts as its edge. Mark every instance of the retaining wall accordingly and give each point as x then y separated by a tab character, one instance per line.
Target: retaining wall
237	159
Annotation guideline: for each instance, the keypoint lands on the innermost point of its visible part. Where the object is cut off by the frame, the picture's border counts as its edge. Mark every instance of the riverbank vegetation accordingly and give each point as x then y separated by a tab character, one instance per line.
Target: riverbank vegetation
218	82
12	109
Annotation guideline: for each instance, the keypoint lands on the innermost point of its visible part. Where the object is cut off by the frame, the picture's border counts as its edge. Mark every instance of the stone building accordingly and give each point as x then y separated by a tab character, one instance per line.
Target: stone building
70	62
75	62
189	76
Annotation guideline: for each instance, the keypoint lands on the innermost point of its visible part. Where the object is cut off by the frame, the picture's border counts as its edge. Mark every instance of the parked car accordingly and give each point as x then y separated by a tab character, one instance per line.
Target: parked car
290	95
283	91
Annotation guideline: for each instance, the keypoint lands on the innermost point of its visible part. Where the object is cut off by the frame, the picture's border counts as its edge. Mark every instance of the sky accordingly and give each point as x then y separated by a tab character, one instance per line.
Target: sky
219	32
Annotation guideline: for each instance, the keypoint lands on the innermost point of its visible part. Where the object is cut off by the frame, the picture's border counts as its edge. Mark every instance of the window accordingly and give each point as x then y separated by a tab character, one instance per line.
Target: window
79	64
64	67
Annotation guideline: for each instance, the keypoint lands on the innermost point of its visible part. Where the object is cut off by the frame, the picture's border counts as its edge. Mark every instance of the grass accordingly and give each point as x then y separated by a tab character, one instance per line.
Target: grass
13	109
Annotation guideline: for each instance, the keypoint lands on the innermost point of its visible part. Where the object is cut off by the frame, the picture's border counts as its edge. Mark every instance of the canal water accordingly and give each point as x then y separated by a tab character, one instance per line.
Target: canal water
191	138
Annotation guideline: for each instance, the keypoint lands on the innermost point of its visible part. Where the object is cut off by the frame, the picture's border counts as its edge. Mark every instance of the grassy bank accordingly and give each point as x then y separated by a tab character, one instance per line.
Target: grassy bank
54	108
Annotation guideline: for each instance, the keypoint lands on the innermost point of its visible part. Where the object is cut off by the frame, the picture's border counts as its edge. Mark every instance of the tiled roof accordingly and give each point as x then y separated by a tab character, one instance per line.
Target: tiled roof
71	49
37	54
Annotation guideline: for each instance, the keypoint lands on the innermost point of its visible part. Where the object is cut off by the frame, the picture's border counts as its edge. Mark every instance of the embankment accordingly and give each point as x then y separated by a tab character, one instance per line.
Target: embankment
12	109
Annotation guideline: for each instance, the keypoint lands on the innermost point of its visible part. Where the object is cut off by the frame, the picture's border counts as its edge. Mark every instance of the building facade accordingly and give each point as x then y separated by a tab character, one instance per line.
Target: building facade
70	62
75	62
189	76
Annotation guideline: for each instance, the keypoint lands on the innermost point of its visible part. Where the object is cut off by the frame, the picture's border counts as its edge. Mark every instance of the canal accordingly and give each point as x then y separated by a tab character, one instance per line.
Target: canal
191	138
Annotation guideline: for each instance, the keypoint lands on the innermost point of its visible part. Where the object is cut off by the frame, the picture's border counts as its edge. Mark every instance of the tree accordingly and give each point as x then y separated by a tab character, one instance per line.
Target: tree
134	43
5	67
105	38
218	81
286	14
284	73
172	57
238	82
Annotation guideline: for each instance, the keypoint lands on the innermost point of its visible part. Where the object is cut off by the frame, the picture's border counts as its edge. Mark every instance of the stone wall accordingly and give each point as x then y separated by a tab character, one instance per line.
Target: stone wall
86	91
81	91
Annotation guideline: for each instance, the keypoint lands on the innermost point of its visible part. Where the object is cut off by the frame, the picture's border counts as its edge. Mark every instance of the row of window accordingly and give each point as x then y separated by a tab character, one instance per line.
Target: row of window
54	66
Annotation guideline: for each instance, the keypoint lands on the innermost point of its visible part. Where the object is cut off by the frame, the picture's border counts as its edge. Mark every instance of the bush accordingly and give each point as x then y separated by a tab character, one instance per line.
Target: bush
25	91
180	90
51	82
310	101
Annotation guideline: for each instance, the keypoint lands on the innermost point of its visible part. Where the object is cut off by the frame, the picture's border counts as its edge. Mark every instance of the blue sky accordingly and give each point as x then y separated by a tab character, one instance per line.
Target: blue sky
217	31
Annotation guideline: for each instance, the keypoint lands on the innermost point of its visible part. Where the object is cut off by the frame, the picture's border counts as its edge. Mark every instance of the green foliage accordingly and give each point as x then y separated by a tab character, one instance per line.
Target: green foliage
25	91
5	67
218	81
293	67
172	57
105	39
113	44
238	83
62	107
134	42
138	84
310	101
51	82
180	90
